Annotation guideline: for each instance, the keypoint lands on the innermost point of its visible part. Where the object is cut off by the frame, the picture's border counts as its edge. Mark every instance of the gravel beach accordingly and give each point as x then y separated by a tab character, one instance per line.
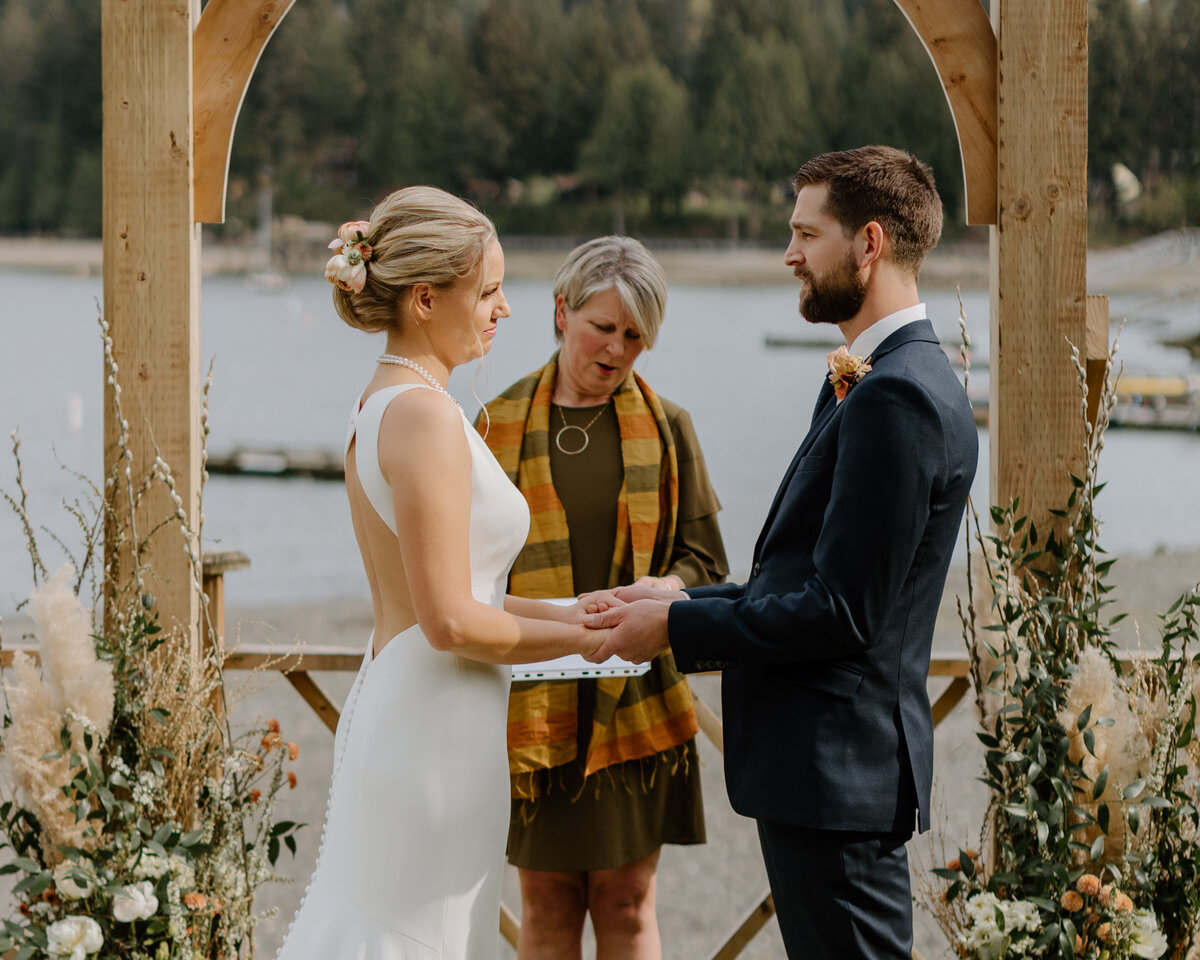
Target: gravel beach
703	891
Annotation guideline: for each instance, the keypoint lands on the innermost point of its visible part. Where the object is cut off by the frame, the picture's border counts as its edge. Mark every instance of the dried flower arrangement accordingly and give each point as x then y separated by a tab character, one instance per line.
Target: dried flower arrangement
138	824
1092	836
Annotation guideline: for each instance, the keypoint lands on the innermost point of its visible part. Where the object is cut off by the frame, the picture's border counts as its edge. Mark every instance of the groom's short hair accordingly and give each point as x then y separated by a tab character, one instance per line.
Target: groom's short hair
884	184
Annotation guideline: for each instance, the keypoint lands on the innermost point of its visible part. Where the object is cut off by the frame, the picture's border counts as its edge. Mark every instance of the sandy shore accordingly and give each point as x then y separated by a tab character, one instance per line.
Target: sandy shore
703	891
1169	262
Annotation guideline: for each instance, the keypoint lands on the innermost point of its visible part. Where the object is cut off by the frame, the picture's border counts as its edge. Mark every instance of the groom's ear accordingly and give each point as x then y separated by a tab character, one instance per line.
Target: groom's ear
871	242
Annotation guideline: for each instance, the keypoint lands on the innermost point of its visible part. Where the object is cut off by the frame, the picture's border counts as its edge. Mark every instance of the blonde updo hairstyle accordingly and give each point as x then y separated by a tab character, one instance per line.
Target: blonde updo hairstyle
623	264
417	235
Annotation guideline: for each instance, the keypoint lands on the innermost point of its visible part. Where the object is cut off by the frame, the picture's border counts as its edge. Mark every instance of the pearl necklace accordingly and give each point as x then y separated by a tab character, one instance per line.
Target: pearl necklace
419	370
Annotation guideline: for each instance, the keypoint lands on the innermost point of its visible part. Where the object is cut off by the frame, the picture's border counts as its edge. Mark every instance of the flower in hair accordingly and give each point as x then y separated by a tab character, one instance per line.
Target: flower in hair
348	268
845	370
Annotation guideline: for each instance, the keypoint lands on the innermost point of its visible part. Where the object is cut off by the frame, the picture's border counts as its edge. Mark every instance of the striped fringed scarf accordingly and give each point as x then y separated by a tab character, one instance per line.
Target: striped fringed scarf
635	717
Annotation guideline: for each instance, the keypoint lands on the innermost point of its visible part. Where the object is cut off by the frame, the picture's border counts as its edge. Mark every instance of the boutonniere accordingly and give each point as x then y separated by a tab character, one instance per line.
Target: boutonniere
845	370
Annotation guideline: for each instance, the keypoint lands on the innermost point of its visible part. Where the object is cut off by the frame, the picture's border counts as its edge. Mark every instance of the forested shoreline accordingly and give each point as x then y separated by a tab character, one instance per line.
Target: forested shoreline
670	118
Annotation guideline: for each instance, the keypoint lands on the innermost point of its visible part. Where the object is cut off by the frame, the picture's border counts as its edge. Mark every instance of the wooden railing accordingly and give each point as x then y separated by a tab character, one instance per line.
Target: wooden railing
296	667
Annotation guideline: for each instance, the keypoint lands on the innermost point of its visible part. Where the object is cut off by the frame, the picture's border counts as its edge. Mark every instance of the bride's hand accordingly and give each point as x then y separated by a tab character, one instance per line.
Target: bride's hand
598	601
593	640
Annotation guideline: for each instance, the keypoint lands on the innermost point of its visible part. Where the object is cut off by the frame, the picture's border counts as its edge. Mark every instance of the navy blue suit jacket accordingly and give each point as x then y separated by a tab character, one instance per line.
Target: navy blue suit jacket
825	649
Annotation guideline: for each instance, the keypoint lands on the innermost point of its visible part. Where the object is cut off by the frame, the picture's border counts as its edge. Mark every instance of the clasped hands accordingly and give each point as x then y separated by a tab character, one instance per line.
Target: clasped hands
636	617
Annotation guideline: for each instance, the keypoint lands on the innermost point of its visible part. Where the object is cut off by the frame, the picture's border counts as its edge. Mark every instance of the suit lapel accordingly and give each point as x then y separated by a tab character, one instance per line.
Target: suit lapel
826	408
822	414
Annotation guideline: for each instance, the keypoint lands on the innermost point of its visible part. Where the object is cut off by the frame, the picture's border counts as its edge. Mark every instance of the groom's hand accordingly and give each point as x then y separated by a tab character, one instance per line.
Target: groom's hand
639	631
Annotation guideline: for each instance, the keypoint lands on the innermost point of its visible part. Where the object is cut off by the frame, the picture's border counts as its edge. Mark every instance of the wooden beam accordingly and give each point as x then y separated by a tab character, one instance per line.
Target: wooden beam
1038	254
315	697
747	929
151	284
1096	354
960	41
230	38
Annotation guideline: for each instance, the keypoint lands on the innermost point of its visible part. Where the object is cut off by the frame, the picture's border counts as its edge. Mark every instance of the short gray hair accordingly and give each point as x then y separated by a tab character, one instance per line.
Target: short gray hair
623	264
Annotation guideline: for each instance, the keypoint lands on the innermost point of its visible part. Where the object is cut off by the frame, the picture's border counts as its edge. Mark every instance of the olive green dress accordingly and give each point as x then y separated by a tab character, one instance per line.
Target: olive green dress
625	812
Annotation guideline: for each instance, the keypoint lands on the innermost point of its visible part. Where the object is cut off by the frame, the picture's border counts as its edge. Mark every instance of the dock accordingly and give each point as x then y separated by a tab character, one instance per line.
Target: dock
313	464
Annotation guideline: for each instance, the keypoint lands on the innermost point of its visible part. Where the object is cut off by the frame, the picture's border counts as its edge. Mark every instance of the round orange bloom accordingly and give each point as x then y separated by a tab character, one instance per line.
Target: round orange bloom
293	750
954	864
1071	901
1122	903
271	741
195	901
973	854
273	725
292	781
255	796
1106	893
1088	885
1104	932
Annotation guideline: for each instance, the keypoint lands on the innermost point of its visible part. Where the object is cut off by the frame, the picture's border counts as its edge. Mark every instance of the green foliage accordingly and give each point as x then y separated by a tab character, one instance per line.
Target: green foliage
1090	762
129	809
353	98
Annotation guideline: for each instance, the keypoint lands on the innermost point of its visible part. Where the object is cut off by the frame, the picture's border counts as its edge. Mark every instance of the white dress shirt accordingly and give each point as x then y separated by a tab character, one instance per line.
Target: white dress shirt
869	340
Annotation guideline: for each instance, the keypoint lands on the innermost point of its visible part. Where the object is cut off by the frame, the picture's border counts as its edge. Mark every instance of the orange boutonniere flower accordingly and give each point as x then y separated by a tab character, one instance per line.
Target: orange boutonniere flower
845	370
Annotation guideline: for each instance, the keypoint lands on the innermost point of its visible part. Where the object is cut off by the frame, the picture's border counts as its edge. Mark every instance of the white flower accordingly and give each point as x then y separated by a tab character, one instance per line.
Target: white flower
150	865
74	937
71	887
1147	940
135	902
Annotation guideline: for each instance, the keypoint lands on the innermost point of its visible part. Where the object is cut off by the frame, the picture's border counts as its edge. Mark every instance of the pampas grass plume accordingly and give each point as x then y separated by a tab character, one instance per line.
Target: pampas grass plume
74	678
1123	747
71	679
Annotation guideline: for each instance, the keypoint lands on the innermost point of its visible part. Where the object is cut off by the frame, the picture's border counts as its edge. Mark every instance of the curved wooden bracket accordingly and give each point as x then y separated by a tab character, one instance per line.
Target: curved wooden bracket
230	37
960	41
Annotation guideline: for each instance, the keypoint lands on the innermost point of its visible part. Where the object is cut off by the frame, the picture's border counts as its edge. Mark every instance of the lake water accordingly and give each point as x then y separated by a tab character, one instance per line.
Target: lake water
287	371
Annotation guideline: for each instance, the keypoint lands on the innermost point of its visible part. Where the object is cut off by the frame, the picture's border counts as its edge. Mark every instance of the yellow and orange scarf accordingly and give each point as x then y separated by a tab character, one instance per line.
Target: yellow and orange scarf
635	717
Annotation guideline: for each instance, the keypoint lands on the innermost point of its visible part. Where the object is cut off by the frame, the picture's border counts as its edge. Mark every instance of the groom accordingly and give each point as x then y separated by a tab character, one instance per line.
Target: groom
825	649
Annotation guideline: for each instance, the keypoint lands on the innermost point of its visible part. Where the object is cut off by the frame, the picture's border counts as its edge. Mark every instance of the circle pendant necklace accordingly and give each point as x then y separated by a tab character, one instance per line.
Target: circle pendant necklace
420	371
570	428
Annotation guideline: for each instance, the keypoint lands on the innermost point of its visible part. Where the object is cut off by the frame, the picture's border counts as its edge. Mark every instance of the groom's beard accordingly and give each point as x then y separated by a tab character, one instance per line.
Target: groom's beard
835	297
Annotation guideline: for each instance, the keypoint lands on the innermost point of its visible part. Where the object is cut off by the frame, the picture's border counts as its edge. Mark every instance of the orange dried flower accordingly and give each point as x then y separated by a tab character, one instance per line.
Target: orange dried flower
1079	944
954	864
1088	885
1104	932
195	901
271	741
273	725
292	781
1105	895
255	796
1122	903
293	750
1071	901
973	854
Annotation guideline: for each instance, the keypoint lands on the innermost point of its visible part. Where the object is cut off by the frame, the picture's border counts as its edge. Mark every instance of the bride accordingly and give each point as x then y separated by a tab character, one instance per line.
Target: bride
413	847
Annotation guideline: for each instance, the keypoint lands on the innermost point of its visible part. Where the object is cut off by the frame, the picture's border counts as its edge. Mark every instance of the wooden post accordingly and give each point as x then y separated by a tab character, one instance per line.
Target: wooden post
1038	253
151	280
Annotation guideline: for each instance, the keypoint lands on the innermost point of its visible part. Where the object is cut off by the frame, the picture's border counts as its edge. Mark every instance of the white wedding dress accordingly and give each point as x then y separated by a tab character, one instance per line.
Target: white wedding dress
413	846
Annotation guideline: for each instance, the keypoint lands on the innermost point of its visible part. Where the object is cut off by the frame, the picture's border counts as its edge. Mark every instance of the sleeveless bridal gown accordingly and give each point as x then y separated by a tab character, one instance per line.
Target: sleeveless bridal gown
413	846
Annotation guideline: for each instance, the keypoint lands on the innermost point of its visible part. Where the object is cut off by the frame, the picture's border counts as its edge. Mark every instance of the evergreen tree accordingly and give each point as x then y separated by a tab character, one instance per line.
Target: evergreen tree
641	140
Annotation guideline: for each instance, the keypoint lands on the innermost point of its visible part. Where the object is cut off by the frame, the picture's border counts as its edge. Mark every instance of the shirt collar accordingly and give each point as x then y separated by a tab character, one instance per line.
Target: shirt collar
867	342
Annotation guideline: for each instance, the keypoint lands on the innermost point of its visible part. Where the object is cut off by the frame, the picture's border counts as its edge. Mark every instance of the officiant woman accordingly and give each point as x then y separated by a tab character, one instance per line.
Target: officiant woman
604	771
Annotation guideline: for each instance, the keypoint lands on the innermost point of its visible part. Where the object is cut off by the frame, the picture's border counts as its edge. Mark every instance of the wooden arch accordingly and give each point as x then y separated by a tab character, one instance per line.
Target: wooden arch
174	80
